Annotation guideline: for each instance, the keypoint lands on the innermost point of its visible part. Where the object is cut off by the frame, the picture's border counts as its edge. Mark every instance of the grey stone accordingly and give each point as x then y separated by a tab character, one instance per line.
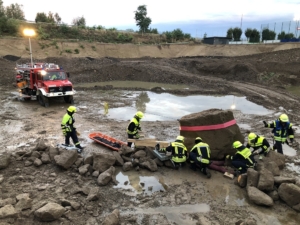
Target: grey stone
4	160
105	177
103	161
259	197
289	193
112	219
8	211
50	212
280	180
66	158
265	181
252	177
273	168
127	166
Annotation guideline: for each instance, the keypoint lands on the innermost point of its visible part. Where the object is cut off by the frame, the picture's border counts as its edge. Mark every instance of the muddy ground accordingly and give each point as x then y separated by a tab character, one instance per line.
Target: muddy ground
187	197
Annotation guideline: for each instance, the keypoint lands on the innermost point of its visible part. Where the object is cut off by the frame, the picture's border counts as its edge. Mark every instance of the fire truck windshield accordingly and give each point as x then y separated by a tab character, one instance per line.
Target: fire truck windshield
54	75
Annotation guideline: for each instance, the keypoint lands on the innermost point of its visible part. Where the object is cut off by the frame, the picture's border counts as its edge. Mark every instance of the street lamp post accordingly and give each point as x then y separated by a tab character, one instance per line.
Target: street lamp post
29	33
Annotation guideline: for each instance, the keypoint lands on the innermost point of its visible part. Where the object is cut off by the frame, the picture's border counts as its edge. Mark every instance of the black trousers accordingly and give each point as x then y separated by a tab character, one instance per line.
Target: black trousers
202	166
72	135
278	146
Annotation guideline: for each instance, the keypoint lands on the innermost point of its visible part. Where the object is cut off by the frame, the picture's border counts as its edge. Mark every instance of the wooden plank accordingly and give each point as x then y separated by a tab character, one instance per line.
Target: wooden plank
226	174
150	142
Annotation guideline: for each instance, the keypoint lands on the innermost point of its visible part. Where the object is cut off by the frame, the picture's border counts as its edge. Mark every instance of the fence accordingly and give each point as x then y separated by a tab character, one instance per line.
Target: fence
287	27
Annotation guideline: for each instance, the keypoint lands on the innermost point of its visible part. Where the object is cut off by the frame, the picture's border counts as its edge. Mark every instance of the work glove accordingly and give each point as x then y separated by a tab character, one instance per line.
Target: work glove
162	150
78	134
137	136
199	158
255	152
227	156
139	128
265	123
64	132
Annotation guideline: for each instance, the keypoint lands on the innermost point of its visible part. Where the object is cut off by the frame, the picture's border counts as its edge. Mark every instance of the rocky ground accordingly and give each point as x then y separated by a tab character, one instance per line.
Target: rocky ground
41	183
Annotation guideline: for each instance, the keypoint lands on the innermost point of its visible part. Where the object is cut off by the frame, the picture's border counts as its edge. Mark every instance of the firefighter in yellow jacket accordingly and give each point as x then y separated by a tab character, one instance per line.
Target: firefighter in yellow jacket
178	150
68	129
200	156
259	144
134	127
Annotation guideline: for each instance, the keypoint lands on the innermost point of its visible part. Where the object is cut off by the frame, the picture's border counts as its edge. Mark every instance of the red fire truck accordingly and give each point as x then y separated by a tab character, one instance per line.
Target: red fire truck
42	81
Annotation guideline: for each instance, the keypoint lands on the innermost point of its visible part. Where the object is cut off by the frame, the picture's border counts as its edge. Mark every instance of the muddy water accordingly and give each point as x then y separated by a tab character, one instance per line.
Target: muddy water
166	106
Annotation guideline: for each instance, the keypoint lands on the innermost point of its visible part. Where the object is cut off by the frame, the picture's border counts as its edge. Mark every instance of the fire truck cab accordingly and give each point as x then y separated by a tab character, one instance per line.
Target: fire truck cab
43	81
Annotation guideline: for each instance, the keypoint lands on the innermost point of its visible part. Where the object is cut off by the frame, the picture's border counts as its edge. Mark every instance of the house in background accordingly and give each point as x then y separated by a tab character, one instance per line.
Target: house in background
216	40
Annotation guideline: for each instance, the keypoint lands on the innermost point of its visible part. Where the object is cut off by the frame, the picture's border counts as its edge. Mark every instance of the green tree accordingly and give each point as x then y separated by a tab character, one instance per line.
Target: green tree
141	19
14	11
2	10
289	36
41	17
169	36
268	34
248	33
281	35
255	36
237	33
187	36
57	18
153	31
79	21
177	34
230	33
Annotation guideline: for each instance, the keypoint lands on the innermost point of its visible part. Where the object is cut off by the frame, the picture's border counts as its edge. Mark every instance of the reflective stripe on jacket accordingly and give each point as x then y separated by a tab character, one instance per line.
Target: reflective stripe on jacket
245	153
281	132
203	150
137	124
179	152
67	123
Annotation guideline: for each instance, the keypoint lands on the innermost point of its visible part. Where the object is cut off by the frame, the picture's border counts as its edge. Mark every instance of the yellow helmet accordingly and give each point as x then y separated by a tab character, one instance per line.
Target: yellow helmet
237	144
72	109
180	138
251	136
284	118
139	114
198	139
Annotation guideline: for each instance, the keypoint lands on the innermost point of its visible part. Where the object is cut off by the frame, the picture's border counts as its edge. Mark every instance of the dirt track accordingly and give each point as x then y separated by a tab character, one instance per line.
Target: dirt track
262	78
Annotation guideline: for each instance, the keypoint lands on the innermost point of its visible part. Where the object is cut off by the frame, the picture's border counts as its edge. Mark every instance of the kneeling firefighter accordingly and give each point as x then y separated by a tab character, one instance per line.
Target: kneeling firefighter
200	156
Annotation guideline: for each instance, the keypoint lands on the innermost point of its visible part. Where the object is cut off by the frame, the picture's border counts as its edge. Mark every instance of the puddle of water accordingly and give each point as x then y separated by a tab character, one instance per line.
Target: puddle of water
245	126
297	129
132	84
175	213
287	150
292	167
166	106
131	180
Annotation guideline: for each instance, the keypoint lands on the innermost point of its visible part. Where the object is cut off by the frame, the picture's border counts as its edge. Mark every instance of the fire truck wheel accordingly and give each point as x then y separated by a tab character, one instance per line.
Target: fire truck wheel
43	100
69	99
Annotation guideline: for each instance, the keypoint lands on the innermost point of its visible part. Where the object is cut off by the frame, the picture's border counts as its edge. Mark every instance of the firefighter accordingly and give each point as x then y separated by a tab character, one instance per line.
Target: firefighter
259	144
200	156
282	128
134	127
68	129
178	150
243	159
53	77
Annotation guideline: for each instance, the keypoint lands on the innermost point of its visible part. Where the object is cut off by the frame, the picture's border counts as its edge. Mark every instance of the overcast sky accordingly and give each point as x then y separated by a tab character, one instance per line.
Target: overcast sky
120	13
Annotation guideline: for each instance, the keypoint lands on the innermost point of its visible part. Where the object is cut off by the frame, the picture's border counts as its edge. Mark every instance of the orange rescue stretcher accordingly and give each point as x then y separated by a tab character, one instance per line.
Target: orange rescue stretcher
107	141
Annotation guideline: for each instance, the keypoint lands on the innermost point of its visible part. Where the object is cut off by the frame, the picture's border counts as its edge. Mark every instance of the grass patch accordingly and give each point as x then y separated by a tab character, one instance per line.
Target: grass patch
94	48
68	51
294	90
81	46
76	51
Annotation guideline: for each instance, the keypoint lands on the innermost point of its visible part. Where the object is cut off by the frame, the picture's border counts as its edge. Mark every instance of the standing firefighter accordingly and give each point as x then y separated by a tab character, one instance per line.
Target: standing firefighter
200	155
178	150
68	129
134	127
243	158
282	129
259	144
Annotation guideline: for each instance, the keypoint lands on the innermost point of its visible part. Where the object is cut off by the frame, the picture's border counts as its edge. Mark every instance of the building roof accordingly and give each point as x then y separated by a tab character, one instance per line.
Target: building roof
218	38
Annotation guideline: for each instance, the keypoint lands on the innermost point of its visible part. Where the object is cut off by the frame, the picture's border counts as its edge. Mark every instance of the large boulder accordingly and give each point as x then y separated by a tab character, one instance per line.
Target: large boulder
105	177
280	180
149	164
290	194
103	161
50	212
66	158
216	127
119	160
273	167
265	180
252	177
278	158
259	197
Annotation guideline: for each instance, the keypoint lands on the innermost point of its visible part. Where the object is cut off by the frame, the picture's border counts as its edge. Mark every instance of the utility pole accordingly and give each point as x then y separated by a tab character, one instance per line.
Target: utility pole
242	21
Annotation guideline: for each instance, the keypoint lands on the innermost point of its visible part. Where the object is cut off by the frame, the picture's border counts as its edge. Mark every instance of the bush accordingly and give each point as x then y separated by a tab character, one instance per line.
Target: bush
81	46
76	51
94	48
68	51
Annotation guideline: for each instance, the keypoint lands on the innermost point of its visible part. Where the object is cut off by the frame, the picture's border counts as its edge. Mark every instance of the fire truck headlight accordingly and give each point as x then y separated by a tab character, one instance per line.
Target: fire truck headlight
43	72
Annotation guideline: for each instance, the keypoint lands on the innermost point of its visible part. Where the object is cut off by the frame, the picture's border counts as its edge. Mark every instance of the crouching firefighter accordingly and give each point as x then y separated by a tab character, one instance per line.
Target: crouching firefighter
243	158
134	127
68	129
179	152
259	144
200	156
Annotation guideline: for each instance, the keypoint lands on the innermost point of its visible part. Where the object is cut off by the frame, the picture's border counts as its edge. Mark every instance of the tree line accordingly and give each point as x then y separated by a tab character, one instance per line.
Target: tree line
253	35
12	15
